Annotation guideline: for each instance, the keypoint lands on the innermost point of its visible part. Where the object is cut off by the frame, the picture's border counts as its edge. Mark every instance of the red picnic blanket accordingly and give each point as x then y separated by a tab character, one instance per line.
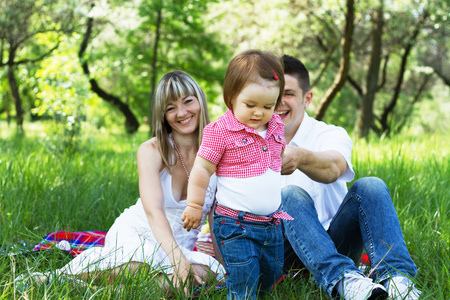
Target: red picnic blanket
72	242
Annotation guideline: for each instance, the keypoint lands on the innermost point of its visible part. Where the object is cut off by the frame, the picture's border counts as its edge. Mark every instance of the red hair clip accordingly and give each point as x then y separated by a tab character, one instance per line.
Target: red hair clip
275	76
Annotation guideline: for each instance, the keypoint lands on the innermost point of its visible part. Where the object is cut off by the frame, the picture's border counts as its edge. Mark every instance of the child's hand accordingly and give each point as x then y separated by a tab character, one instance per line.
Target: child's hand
192	216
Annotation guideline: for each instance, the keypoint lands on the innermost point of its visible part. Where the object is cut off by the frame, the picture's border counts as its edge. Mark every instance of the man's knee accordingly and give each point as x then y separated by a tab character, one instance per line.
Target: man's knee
371	184
369	187
295	196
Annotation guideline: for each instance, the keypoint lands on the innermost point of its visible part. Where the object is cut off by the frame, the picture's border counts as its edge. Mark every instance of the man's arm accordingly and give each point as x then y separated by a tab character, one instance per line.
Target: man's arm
325	167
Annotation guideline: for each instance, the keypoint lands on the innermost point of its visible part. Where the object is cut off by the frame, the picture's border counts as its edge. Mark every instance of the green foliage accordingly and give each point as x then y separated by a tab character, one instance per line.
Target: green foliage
43	191
200	37
122	51
63	95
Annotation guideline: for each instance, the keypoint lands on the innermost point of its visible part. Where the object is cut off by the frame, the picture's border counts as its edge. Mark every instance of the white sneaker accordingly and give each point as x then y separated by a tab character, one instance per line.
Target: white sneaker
358	287
23	282
402	288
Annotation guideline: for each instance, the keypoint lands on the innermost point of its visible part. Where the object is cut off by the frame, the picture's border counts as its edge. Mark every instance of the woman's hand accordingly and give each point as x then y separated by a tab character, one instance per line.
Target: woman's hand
182	273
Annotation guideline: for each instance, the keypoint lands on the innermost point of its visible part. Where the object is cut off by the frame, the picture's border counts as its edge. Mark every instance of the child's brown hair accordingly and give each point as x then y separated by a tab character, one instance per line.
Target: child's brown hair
249	67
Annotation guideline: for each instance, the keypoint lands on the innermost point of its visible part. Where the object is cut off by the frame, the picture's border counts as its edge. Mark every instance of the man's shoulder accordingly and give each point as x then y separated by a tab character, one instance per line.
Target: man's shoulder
316	134
320	127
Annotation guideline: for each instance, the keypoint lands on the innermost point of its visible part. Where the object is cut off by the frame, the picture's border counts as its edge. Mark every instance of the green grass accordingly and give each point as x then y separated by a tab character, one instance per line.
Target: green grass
45	189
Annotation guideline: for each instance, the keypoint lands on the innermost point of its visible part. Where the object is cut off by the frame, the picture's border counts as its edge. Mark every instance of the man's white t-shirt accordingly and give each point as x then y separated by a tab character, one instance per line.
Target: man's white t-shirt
318	136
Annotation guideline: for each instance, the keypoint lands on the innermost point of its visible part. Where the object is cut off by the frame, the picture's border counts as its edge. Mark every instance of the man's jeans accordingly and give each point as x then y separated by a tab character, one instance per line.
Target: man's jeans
252	253
366	219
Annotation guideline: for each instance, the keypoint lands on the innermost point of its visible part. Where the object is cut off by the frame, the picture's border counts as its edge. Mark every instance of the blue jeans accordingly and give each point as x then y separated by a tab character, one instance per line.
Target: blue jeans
252	253
366	220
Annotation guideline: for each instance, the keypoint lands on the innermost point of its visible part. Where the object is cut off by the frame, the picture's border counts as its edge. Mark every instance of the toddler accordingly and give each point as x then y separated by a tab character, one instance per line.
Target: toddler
243	147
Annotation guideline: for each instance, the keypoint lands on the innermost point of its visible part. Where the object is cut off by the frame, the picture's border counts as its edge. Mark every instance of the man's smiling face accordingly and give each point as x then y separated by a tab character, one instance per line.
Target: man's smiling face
293	104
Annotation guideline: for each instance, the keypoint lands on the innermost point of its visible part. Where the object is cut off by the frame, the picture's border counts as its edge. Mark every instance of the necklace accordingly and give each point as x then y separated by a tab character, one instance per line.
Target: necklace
181	157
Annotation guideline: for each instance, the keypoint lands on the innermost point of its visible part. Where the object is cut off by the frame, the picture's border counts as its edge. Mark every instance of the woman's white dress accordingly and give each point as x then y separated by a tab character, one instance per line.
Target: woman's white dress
131	239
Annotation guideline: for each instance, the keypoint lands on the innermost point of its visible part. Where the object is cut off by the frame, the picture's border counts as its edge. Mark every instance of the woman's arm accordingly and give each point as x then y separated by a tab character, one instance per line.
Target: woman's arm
150	164
198	183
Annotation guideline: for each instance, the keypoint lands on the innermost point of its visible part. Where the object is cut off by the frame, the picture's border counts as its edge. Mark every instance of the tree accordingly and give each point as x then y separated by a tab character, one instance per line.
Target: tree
134	42
131	123
385	128
434	48
386	61
341	77
365	116
21	25
397	57
179	40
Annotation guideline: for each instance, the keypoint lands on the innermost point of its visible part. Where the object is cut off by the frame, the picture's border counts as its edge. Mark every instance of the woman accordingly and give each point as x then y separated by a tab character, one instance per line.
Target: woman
150	233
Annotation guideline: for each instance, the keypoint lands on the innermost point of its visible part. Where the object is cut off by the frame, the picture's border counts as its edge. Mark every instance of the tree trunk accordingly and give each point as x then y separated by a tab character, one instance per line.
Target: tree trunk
327	52
8	114
16	98
385	128
131	123
341	77
440	74
328	58
154	61
416	98
365	117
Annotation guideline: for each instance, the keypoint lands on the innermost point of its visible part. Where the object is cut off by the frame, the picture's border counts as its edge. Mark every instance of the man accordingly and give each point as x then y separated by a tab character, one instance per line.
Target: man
331	225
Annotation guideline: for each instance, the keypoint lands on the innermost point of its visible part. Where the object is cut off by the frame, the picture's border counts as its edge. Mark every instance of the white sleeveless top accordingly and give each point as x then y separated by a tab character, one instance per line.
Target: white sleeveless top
130	238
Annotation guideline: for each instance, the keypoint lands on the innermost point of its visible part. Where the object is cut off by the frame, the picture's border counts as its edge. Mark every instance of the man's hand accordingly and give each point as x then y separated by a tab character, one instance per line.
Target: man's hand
192	216
290	159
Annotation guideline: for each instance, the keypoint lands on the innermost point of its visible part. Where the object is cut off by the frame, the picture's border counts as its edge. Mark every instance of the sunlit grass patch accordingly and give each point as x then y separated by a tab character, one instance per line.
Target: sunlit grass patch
44	190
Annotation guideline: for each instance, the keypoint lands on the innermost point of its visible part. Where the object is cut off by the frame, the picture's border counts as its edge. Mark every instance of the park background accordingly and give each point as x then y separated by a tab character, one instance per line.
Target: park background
76	83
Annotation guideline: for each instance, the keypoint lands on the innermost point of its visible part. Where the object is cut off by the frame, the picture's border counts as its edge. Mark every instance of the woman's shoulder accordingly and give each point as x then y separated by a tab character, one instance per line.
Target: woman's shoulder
149	145
149	150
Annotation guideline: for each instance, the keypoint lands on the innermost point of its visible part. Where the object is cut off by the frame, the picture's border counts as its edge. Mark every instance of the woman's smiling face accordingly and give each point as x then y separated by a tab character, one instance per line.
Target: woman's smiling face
182	114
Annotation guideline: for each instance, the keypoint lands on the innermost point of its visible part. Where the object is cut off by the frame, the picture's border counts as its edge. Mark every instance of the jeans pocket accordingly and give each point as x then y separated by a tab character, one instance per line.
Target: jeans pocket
229	229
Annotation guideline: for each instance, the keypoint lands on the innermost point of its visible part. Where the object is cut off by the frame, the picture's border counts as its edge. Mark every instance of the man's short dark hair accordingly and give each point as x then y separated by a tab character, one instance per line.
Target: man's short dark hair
294	67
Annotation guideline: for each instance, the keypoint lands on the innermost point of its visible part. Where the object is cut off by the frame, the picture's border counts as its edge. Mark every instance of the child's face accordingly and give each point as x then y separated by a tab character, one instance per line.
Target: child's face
255	104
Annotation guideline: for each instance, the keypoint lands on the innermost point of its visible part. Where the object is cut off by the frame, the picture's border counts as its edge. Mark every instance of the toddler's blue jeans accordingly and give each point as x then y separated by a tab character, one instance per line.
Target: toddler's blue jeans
253	254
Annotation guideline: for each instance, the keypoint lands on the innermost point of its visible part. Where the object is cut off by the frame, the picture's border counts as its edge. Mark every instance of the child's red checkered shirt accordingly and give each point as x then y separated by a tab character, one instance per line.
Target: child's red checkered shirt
238	150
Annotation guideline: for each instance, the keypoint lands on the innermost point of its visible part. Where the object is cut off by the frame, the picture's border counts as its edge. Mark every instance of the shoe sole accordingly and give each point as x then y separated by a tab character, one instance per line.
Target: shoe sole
378	294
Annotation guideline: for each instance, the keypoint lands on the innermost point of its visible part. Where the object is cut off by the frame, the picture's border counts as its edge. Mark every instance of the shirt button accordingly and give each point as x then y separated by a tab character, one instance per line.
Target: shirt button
244	141
279	137
264	148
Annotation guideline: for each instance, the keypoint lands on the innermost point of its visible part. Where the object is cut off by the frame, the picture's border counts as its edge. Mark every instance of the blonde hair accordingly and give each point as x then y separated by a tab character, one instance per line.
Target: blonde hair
247	67
172	86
